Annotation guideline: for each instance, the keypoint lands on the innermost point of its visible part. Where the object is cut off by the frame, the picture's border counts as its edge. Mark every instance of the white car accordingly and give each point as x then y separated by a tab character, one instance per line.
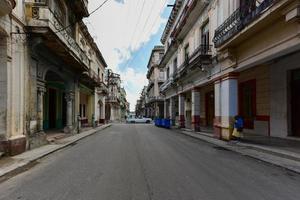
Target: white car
139	120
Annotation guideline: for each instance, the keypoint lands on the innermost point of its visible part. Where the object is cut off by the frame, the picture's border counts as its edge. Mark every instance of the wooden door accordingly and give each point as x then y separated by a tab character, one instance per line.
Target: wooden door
210	108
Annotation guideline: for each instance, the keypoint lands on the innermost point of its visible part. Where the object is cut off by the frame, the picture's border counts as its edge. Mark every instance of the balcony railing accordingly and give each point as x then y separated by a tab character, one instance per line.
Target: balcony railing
239	19
201	56
166	84
41	17
155	98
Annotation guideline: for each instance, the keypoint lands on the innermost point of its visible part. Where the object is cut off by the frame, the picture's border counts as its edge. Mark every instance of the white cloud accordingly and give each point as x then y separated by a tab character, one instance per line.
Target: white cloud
121	28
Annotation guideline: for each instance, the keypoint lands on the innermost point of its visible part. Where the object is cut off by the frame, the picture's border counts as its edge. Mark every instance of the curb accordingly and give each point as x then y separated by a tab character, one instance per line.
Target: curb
247	150
19	167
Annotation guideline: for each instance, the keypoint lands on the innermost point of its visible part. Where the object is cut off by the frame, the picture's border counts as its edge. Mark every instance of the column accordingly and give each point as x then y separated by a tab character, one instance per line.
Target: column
40	107
217	119
229	104
172	110
181	110
102	117
165	109
196	109
69	99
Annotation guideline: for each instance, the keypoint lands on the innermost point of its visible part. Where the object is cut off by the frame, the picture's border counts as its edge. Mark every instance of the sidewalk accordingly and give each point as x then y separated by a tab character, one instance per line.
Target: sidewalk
280	152
11	165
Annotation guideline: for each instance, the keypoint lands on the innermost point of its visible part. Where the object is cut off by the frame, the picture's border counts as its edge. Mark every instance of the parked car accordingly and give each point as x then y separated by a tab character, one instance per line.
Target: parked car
139	120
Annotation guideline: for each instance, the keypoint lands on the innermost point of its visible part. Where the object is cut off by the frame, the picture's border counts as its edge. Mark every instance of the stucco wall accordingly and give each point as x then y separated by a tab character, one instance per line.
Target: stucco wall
279	107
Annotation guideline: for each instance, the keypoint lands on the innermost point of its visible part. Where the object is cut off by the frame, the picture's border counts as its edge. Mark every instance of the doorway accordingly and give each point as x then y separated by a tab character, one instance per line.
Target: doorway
210	108
295	102
55	108
52	108
247	102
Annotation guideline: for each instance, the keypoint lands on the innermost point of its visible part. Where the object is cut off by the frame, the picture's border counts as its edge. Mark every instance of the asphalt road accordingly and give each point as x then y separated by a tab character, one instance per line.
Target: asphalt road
142	162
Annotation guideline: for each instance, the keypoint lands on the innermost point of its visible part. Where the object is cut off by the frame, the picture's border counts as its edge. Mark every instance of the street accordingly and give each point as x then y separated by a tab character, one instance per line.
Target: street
141	162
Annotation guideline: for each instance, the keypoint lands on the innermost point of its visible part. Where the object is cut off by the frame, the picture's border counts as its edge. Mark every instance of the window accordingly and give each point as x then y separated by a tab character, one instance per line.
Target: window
168	73
161	55
175	63
82	110
98	72
205	37
186	52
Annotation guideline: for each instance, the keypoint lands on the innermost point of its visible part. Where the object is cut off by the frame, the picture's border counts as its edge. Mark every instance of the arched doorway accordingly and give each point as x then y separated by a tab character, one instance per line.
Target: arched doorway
55	107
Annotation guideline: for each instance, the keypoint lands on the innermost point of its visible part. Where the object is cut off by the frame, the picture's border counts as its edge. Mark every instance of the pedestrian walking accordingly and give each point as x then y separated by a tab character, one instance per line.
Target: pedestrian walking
238	127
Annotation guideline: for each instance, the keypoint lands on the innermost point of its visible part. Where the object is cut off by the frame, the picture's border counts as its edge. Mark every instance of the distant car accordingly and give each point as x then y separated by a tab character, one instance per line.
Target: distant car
139	120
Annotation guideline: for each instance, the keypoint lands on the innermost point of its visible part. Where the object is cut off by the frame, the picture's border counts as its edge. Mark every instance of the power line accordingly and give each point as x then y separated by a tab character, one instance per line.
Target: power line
155	21
72	24
138	22
146	23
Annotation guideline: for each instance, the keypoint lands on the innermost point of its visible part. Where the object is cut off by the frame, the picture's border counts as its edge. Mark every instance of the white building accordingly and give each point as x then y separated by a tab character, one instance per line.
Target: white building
225	58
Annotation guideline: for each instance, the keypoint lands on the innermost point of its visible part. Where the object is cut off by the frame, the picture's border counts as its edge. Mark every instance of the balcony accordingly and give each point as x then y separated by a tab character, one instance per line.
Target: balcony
42	23
153	99
92	80
181	71
6	6
166	85
102	88
239	20
201	56
112	99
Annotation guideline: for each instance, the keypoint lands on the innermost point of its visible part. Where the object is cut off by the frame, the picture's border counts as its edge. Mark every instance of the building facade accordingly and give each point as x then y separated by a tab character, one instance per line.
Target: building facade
140	107
156	77
228	58
113	100
53	74
12	78
124	105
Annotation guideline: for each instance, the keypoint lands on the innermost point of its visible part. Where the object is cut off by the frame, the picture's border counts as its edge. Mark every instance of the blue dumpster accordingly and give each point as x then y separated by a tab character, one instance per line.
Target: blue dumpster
159	122
156	122
163	122
167	123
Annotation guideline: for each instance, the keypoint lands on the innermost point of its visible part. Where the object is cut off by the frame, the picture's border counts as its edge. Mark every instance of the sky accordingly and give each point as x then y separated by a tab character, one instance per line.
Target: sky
126	31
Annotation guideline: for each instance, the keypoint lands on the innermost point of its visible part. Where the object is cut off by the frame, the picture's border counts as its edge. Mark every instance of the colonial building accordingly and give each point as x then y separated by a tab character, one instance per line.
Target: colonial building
189	96
113	107
140	107
12	78
124	105
52	76
258	48
251	70
156	77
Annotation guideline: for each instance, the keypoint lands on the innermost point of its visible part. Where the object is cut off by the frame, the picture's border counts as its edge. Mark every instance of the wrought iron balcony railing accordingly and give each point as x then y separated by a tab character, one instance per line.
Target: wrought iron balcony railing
239	19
